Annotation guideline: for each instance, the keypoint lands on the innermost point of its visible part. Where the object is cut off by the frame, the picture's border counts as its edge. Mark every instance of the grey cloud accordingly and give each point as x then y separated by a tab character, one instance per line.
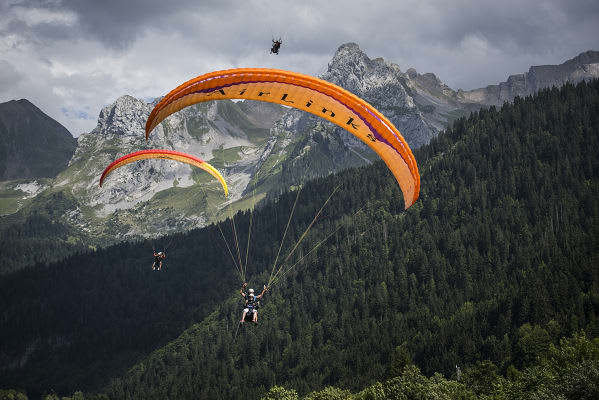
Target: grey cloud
510	25
9	76
118	23
146	47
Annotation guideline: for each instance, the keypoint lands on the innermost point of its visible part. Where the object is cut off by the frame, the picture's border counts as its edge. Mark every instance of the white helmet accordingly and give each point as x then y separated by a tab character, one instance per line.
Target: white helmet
251	291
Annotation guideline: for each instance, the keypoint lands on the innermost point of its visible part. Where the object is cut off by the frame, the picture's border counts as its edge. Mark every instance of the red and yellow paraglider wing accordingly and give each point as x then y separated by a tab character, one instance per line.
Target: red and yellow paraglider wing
166	155
309	94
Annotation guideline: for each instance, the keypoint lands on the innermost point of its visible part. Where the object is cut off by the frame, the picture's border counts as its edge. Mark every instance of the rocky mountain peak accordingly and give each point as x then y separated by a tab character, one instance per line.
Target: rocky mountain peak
25	103
347	67
345	52
587	57
382	84
429	79
32	145
350	67
23	106
126	117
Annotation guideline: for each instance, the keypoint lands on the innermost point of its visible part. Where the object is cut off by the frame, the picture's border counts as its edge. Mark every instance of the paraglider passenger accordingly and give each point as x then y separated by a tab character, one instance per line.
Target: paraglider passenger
158	257
251	303
276	44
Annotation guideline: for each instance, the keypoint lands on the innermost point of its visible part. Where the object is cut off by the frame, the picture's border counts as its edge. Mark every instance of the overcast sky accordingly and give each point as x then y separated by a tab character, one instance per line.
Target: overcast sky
72	57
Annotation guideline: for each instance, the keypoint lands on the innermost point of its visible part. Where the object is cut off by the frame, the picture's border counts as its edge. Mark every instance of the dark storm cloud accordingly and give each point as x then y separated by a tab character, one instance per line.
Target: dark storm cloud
117	23
224	25
510	25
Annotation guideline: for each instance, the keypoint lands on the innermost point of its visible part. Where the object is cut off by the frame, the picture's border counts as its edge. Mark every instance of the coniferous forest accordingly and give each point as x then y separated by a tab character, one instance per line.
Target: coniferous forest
494	270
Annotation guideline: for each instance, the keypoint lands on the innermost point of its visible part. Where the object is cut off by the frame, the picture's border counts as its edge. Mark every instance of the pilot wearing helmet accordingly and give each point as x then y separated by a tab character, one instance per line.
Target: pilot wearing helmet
252	302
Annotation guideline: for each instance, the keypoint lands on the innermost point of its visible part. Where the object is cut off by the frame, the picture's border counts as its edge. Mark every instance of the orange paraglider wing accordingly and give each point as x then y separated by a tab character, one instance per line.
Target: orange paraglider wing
166	155
307	93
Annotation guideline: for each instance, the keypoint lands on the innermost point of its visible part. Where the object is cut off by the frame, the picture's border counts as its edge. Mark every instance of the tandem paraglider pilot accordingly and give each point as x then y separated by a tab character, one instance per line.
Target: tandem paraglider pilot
252	303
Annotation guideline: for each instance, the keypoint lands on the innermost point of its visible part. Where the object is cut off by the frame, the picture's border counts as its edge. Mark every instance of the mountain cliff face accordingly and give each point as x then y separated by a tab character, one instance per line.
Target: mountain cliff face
32	145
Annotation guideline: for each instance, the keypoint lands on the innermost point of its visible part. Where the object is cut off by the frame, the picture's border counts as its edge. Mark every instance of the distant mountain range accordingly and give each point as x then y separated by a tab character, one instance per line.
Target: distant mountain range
584	66
261	148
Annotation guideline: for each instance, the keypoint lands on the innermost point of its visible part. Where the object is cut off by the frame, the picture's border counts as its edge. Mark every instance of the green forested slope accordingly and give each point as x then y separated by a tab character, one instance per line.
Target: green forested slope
498	259
35	236
568	370
77	323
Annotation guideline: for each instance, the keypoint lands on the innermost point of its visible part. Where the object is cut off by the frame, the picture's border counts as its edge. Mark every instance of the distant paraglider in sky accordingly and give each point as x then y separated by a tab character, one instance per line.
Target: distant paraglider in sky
276	45
165	155
309	94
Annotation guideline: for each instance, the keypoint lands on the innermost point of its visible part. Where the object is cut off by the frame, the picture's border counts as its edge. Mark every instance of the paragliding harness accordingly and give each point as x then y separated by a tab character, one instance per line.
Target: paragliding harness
161	255
276	44
252	306
158	257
